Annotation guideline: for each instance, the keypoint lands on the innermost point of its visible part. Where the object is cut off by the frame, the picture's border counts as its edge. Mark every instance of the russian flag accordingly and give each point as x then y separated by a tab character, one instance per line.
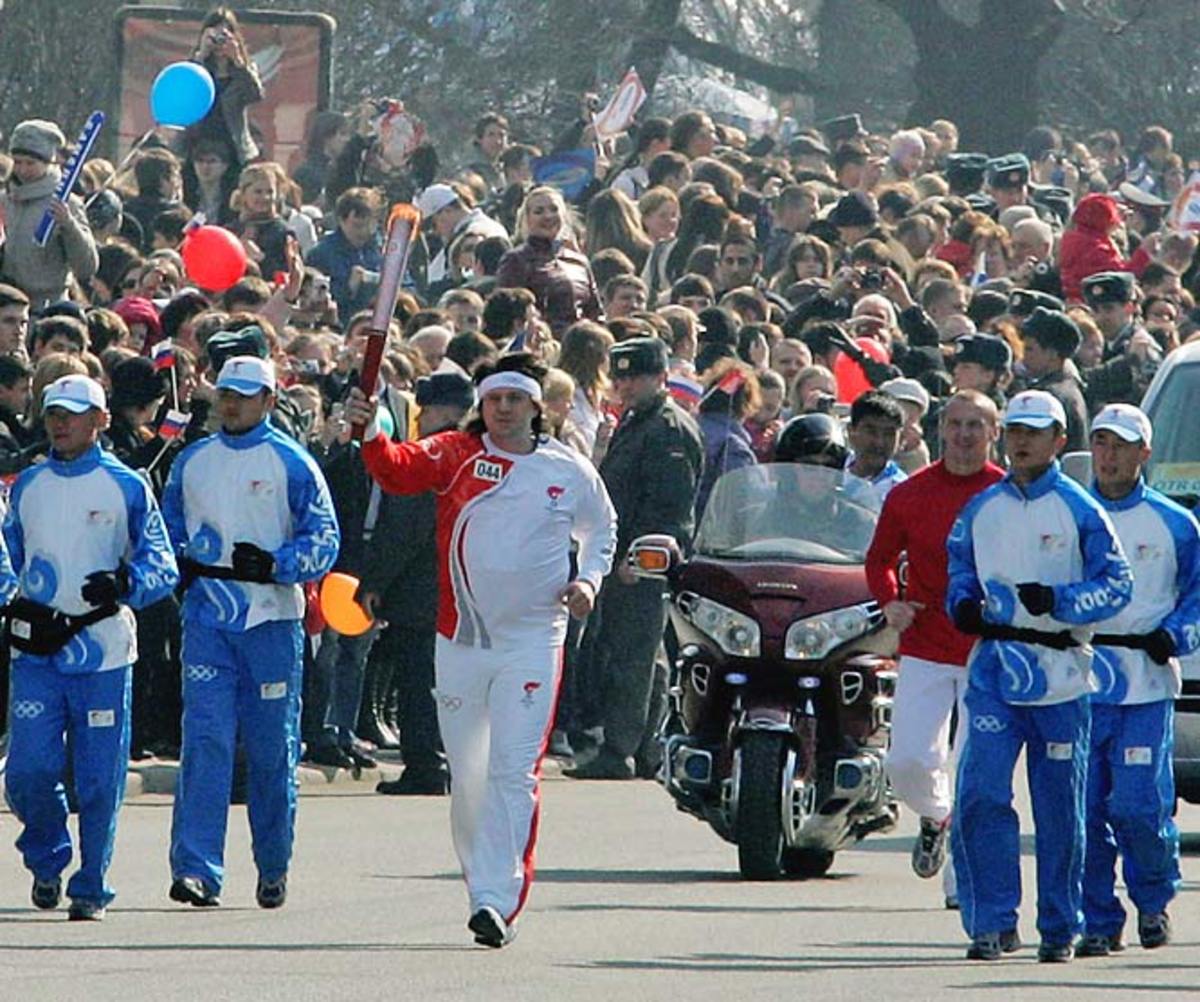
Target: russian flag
686	392
172	425
163	355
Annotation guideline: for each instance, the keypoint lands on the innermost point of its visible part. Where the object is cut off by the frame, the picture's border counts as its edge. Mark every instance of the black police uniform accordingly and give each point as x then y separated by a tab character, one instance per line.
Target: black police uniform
651	470
1058	332
1120	377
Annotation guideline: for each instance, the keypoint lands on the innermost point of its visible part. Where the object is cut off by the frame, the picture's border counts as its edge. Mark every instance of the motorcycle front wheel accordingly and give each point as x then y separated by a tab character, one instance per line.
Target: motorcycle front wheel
758	831
807	862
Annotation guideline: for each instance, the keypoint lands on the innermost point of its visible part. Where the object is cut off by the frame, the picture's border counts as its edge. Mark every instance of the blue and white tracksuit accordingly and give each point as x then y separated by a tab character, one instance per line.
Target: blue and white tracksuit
1130	789
66	520
1029	695
243	642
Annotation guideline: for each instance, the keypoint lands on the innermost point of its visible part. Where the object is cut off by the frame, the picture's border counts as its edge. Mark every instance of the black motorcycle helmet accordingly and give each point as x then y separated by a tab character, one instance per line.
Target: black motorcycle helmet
814	438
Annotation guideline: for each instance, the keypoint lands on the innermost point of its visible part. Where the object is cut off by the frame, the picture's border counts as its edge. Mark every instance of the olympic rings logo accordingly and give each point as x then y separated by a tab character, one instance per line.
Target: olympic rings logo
988	724
200	673
28	709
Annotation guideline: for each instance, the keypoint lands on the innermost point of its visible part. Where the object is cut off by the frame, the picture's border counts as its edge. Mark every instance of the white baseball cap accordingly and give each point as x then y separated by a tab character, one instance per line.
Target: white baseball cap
75	394
1036	409
247	375
903	388
1125	421
435	198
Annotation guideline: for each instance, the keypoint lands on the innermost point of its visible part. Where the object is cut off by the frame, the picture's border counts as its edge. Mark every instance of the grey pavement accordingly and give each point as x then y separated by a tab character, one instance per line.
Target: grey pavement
633	901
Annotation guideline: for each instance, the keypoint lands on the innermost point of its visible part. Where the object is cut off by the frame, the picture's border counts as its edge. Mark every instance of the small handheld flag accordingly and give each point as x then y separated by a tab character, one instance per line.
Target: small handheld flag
172	425
163	355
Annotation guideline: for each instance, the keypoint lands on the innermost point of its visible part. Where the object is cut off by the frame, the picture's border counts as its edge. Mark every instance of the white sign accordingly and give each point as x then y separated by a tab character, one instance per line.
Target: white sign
618	113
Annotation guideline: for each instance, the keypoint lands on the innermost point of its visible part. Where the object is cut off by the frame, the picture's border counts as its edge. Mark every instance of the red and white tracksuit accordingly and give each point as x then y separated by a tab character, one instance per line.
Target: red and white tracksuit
504	529
915	520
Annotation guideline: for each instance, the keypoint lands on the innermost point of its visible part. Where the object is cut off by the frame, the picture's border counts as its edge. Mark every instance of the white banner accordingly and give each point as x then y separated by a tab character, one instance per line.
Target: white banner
618	113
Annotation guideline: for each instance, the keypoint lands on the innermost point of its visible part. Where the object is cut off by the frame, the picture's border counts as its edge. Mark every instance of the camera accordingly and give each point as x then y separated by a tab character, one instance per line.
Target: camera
825	403
872	279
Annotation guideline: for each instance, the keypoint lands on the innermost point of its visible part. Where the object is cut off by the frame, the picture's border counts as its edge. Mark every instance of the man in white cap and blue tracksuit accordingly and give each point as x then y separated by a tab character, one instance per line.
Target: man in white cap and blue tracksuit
251	518
1033	560
1130	790
88	543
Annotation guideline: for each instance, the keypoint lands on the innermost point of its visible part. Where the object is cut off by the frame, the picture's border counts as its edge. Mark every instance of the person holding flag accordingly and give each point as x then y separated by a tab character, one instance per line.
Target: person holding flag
509	502
42	272
732	396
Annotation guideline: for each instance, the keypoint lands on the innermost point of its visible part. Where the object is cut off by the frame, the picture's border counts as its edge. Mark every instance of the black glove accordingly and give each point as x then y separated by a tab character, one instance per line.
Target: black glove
1159	645
105	587
968	616
253	563
1037	598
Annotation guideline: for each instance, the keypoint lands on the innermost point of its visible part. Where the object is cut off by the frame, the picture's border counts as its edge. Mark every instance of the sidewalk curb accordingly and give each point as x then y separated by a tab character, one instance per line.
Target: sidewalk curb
158	777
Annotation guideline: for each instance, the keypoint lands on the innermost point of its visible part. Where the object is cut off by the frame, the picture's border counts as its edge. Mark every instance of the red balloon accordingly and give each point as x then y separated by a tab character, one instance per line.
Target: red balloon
215	259
852	382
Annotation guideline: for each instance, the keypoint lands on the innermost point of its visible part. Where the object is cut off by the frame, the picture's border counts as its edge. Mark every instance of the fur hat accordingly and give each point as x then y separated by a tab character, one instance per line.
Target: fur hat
35	137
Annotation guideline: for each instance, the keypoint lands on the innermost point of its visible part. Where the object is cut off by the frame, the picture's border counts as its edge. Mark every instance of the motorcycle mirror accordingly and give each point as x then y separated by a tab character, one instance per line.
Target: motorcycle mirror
652	556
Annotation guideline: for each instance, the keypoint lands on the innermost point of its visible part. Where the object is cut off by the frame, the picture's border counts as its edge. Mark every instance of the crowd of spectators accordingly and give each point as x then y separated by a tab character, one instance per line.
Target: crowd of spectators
839	263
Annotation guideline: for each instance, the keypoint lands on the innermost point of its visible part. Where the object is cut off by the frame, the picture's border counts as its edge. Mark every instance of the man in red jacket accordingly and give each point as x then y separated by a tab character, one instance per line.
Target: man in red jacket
915	520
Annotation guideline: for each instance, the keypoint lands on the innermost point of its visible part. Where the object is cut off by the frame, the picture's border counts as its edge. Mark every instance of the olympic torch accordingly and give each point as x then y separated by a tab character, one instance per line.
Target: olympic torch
404	222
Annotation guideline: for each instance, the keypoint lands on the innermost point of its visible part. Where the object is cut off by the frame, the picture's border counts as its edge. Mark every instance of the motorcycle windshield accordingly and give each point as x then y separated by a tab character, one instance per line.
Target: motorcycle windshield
791	512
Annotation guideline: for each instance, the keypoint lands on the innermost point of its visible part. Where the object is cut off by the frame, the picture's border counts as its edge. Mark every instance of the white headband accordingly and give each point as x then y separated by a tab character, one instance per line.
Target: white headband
511	381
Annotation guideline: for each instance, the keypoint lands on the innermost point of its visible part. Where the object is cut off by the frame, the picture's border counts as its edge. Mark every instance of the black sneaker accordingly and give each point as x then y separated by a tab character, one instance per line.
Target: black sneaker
416	781
86	911
1056	953
271	893
1154	930
46	894
360	759
328	755
489	928
993	945
1099	945
192	891
929	851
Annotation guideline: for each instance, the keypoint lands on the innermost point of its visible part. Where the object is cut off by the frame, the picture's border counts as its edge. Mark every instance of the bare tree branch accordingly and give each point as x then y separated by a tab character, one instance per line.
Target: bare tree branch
784	79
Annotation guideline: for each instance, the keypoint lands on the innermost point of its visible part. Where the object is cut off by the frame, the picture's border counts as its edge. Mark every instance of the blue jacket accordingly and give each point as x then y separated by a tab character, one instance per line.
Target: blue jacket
262	488
727	446
336	256
69	519
1050	532
1162	541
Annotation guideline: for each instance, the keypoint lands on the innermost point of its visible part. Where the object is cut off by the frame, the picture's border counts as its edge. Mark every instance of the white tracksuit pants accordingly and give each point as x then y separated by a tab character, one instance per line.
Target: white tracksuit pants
495	709
921	760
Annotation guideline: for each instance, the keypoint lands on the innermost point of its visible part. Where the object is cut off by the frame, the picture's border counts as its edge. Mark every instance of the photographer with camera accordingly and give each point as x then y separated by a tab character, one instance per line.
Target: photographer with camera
222	51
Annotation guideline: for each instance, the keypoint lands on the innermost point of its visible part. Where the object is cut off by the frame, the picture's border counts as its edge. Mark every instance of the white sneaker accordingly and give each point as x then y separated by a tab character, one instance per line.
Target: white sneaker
490	929
929	851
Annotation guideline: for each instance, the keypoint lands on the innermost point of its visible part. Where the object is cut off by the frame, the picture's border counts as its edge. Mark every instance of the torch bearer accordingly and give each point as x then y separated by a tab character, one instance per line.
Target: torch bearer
403	225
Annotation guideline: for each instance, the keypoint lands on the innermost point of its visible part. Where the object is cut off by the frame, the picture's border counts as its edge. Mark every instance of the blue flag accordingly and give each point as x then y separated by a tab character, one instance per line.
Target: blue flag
570	171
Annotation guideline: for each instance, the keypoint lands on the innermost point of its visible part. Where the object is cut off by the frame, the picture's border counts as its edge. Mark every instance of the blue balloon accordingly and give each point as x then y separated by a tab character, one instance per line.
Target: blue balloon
182	94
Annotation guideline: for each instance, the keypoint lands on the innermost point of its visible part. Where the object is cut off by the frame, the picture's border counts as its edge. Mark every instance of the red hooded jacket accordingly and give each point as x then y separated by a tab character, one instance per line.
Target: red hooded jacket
1086	248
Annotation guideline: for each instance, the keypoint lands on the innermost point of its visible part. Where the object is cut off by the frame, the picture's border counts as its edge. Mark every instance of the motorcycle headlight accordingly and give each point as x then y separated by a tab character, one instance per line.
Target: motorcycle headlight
733	632
814	637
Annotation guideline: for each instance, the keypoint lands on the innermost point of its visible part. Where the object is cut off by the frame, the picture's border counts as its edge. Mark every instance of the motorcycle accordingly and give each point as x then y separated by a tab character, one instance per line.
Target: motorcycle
783	677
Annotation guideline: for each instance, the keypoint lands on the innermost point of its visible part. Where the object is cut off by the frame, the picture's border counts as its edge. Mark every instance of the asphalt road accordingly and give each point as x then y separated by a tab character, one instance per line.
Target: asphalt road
633	901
